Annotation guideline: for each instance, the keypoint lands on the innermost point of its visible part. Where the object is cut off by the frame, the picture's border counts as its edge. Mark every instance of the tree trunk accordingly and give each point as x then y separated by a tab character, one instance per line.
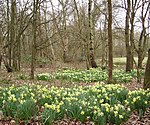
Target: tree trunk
87	56
91	46
127	39
0	45
129	59
33	61
65	37
19	55
0	60
8	68
132	40
147	73
103	53
110	62
140	59
13	34
104	46
8	35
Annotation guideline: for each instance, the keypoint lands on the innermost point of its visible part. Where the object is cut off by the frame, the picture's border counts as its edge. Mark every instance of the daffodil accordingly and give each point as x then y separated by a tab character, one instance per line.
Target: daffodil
134	100
116	113
146	102
120	116
82	113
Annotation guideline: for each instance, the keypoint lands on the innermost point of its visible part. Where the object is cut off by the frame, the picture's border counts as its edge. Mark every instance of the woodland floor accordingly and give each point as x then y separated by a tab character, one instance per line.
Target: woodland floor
10	78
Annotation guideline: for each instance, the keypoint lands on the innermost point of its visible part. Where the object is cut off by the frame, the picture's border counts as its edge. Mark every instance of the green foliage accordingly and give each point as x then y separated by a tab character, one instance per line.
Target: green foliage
26	110
92	75
17	102
5	81
45	77
100	103
48	116
138	100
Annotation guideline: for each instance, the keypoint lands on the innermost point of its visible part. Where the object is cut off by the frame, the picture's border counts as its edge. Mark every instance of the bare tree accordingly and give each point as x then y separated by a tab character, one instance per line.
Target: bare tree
142	42
110	61
47	33
132	7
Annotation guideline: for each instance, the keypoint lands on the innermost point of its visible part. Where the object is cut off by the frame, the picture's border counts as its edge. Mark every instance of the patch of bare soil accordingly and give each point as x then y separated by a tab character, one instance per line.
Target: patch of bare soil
136	120
133	85
73	122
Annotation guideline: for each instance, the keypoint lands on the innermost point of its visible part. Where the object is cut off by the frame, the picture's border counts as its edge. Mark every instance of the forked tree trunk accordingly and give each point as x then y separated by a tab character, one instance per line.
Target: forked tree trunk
147	73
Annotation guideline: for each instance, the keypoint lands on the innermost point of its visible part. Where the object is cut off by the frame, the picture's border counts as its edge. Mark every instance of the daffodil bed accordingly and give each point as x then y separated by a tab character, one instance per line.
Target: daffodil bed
100	103
91	75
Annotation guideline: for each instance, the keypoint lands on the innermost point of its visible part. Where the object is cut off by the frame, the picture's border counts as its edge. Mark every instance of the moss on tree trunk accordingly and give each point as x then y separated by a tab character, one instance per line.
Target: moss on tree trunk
147	73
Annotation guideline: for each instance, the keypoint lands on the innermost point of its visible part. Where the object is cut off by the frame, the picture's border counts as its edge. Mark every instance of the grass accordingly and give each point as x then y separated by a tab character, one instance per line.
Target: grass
122	60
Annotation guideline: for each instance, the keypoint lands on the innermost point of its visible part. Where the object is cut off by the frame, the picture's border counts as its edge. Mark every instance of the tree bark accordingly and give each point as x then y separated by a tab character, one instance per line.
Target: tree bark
140	59
132	39
0	45
0	60
13	34
147	73
33	61
127	39
91	46
8	35
110	62
104	44
8	68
